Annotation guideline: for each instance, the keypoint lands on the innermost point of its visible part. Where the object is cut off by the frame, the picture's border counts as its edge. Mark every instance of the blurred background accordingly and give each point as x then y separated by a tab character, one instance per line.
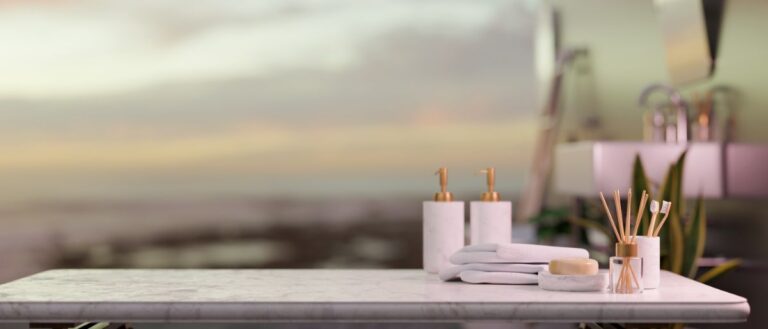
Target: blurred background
251	134
295	134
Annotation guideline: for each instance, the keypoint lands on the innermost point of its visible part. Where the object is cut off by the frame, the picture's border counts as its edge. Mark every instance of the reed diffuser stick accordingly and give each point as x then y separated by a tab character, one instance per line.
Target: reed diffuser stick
629	214
610	217
620	219
621	284
634	276
626	279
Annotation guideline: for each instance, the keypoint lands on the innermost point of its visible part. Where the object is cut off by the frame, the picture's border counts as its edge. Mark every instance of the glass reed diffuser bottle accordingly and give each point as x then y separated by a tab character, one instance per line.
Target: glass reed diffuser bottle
625	270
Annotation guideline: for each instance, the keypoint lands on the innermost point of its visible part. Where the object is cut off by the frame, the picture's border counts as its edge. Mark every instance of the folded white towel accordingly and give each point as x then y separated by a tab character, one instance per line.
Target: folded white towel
514	253
473	257
498	277
453	272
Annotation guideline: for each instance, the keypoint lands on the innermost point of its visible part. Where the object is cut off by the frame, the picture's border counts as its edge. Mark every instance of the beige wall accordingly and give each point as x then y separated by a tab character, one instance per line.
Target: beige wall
624	41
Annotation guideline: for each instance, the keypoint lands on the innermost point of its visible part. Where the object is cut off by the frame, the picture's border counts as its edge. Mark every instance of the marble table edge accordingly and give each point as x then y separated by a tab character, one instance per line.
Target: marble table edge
383	312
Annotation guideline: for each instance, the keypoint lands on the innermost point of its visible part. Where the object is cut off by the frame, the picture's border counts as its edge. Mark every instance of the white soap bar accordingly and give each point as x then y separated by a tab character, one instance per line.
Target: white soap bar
597	282
573	266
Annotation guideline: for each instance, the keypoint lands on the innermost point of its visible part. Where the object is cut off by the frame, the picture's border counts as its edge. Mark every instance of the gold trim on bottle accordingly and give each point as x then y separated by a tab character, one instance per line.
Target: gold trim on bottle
490	195
626	249
443	195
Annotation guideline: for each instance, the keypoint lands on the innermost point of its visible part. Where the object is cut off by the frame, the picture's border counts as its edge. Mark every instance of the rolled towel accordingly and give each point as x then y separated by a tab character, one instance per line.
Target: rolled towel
453	272
481	247
483	257
514	253
537	253
498	277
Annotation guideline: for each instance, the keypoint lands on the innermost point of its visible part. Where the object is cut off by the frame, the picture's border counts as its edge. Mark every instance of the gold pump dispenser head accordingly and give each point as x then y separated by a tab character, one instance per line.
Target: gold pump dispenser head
490	195
443	195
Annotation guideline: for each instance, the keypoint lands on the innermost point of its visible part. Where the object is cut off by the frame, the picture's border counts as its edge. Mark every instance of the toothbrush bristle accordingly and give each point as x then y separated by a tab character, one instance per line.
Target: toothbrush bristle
654	206
665	207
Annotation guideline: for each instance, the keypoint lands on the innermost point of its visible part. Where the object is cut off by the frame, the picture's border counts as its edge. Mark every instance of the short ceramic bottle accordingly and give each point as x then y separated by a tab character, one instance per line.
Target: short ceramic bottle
443	232
490	219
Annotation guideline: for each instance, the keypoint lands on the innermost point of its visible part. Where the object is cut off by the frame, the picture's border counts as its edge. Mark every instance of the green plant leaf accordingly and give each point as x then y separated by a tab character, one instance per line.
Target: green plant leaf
586	223
664	240
676	238
678	196
695	237
676	243
719	270
672	231
640	183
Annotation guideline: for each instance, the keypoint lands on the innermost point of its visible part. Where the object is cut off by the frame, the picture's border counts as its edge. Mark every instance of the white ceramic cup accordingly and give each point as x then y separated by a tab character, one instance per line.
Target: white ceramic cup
648	250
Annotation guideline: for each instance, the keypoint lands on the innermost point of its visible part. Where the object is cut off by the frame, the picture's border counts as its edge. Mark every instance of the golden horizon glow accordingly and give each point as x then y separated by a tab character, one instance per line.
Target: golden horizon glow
391	141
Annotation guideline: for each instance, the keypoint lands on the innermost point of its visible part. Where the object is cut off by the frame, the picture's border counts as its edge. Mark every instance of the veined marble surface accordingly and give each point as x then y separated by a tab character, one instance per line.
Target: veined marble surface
340	295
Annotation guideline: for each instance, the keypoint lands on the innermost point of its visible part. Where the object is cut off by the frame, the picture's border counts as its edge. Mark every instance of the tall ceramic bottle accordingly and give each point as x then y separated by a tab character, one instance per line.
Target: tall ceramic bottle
490	219
443	227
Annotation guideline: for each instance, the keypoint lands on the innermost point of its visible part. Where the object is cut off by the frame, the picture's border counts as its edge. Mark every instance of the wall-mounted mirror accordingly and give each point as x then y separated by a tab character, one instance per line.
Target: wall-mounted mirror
690	29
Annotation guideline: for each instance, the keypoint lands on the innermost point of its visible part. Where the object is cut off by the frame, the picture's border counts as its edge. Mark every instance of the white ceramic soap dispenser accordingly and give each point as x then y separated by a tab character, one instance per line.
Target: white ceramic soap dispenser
490	220
443	227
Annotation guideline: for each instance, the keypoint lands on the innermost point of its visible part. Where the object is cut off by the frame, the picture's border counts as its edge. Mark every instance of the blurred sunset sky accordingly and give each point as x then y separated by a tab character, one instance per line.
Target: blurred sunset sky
139	99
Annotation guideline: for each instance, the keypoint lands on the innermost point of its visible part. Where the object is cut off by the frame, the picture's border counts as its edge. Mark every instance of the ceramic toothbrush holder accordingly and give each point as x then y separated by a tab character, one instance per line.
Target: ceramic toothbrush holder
648	249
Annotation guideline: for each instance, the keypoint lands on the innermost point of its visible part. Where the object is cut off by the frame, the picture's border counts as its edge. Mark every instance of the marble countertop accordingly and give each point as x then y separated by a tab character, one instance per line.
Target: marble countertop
340	295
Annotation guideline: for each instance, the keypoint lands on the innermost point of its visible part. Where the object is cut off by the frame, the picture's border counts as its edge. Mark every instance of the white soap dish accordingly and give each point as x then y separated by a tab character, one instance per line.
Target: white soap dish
556	282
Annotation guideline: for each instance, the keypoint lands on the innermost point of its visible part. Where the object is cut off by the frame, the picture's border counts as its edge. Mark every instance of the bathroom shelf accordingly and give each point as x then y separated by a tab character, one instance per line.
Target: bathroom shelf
713	170
183	296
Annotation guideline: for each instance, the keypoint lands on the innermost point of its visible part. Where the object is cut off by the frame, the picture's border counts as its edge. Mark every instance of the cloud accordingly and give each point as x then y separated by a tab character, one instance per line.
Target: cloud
402	76
217	97
89	49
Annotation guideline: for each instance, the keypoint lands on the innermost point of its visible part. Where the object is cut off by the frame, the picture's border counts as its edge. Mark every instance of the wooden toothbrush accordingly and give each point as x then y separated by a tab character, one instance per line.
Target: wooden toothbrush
665	207
655	212
640	211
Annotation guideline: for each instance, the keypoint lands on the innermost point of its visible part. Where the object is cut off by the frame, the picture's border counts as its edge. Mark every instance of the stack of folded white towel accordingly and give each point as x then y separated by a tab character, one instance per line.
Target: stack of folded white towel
509	263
